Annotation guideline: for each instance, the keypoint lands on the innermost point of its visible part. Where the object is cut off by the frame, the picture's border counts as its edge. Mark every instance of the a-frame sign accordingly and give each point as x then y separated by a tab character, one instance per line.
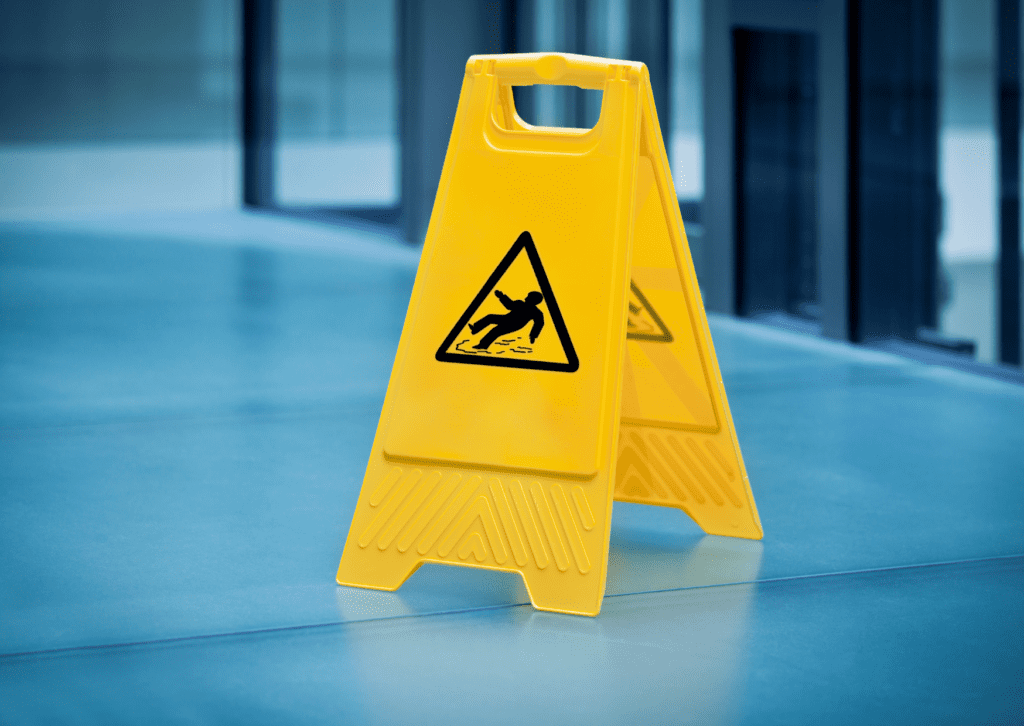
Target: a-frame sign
555	355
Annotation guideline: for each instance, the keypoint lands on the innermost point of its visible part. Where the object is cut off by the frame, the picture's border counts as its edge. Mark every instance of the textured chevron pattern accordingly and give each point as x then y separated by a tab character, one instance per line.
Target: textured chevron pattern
482	519
669	467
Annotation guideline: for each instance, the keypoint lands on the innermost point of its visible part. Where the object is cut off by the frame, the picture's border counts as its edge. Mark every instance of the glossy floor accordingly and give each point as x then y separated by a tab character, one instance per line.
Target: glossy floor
187	405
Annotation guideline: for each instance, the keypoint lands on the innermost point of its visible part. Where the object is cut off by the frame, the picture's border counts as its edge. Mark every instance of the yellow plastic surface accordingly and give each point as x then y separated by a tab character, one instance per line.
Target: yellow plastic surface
502	442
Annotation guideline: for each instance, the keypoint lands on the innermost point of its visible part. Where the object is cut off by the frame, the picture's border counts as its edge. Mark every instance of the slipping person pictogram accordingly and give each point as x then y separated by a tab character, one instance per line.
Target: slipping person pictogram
498	330
520	312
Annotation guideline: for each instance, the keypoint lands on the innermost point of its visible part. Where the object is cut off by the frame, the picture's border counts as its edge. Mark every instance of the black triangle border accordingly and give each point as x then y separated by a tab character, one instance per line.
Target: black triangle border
523	242
665	337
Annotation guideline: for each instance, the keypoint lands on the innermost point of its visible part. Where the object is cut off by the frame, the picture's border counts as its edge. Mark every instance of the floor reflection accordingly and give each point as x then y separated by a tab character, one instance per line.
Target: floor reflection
649	561
674	657
355	604
697	641
434	588
257	294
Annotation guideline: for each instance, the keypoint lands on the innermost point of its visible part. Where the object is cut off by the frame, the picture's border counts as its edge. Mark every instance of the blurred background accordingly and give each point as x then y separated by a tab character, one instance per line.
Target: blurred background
851	169
211	217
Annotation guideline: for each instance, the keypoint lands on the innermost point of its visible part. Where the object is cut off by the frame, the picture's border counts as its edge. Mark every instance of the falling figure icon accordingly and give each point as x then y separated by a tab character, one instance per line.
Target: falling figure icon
520	312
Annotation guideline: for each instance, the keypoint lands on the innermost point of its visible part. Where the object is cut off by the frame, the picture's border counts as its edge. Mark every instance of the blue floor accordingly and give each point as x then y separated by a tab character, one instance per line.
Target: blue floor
186	408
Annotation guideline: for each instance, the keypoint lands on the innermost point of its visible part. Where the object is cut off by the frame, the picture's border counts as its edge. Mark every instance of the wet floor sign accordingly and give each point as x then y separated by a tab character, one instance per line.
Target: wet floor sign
555	354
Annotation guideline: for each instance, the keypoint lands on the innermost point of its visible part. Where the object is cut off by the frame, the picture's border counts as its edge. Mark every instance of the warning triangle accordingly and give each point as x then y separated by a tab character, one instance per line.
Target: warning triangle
643	322
514	321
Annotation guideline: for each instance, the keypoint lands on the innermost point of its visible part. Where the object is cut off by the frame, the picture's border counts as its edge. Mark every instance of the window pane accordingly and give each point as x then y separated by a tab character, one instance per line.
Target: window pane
967	174
114	106
337	134
686	147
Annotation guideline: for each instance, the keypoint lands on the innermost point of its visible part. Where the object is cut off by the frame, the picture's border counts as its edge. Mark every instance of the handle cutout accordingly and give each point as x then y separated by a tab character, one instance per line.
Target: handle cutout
554	102
569	107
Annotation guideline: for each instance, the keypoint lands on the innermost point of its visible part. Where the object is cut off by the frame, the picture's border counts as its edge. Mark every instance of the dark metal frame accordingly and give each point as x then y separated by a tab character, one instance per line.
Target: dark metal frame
894	145
775	137
258	102
1008	95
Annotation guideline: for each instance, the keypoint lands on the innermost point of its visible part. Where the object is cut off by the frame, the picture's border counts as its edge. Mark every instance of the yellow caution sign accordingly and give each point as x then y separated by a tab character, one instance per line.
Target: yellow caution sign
555	355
